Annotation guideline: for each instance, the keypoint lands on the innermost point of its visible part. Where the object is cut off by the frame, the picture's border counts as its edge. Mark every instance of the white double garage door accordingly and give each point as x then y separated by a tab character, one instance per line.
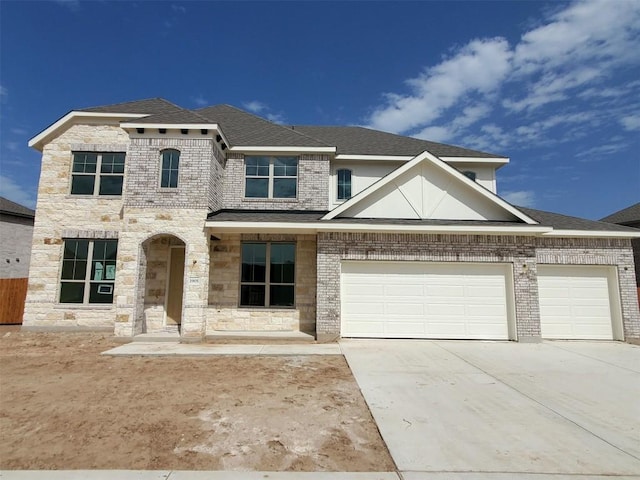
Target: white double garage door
473	301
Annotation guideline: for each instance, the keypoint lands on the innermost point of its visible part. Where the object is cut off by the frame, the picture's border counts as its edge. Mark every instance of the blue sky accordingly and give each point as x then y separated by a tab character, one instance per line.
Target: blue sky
555	86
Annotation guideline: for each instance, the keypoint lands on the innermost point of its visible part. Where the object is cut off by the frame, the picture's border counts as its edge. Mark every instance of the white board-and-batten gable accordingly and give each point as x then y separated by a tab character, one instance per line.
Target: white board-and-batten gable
426	188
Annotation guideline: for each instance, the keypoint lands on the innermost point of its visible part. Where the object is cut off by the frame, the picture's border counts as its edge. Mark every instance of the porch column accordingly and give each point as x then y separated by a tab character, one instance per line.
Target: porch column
196	288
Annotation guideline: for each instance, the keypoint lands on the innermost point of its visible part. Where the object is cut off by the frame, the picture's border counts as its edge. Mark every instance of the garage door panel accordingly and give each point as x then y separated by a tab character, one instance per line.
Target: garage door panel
425	300
575	302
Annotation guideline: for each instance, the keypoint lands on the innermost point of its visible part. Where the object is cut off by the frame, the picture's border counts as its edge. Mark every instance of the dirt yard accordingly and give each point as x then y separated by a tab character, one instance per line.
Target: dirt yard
63	406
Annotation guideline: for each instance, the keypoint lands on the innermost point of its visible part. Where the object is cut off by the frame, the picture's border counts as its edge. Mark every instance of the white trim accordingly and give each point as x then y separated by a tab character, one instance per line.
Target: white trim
486	160
426	155
172	126
268	149
590	233
314	227
74	114
390	158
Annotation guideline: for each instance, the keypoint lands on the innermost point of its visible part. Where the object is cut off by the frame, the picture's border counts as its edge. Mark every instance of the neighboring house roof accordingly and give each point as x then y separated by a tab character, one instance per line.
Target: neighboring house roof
242	128
565	222
8	207
627	216
364	141
150	106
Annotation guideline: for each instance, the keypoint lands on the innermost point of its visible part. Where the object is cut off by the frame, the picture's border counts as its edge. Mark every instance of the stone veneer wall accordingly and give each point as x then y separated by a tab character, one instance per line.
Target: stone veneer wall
522	252
224	288
60	215
313	186
138	259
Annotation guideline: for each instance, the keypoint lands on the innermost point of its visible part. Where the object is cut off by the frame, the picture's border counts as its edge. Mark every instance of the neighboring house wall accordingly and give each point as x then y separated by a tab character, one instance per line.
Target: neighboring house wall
61	215
224	287
523	252
16	234
313	186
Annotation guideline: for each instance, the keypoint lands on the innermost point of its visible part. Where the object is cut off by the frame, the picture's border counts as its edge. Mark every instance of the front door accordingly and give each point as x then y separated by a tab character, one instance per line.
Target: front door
175	286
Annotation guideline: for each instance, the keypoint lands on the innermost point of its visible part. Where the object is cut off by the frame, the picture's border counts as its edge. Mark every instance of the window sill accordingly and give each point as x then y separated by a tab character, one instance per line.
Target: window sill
93	197
84	306
283	200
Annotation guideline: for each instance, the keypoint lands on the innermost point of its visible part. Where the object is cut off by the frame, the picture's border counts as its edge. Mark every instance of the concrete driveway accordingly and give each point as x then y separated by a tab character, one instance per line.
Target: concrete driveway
500	408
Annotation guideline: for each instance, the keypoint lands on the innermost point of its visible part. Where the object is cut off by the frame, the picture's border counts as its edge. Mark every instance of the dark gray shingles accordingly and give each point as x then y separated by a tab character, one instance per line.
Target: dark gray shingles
565	222
149	106
365	141
244	129
179	117
13	208
266	216
626	216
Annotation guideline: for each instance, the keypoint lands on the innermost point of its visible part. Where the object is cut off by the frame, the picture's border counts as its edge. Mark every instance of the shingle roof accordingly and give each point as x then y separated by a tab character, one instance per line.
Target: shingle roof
546	219
242	128
178	117
626	216
565	222
150	106
364	141
13	208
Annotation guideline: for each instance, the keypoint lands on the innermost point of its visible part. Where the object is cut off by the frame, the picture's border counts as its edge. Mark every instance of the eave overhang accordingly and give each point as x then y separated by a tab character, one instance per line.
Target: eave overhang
39	140
282	149
325	226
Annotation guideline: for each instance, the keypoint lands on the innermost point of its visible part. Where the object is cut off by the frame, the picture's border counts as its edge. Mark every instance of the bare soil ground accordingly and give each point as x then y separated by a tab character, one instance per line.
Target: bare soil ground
63	406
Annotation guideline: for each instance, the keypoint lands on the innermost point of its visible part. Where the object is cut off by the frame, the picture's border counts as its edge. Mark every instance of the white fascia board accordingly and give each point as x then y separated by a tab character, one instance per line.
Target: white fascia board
591	234
315	227
485	160
35	141
269	149
388	158
171	126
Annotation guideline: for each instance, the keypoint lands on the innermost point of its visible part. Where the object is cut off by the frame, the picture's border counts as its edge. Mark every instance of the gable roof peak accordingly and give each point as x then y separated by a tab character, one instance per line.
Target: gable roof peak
149	106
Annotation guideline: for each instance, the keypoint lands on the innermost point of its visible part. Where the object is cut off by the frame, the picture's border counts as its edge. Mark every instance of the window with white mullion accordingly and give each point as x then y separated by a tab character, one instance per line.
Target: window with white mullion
268	275
94	173
271	177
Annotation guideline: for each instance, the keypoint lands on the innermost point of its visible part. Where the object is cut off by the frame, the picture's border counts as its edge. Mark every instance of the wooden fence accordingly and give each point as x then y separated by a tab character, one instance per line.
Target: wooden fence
13	292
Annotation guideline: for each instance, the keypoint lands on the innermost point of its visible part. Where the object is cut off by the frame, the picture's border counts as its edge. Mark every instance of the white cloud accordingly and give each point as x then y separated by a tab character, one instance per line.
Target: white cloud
19	131
631	122
521	198
596	153
564	60
178	8
12	146
255	106
276	118
3	91
480	66
200	101
16	193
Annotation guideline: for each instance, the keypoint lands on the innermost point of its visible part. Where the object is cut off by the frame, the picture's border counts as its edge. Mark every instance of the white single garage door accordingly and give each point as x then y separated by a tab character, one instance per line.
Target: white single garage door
425	300
576	301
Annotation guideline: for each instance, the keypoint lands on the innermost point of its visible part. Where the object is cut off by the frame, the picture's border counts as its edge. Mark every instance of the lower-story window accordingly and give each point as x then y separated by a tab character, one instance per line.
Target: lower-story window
268	274
88	271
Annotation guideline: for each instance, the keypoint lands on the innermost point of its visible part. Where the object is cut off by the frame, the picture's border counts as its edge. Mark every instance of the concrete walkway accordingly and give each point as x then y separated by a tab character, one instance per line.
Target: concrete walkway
175	349
502	410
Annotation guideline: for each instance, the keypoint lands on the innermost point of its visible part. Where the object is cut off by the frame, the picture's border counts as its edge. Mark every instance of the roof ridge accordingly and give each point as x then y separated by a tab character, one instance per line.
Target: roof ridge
128	102
267	121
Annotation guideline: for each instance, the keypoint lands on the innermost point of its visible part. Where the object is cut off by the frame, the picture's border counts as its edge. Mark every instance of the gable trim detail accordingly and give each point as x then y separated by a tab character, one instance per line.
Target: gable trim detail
426	156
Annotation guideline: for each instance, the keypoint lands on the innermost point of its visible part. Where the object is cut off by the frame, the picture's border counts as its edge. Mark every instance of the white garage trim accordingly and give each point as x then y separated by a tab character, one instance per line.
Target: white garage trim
427	300
579	302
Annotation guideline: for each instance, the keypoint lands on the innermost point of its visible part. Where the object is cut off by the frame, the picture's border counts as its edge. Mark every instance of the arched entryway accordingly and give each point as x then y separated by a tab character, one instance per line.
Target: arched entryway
160	285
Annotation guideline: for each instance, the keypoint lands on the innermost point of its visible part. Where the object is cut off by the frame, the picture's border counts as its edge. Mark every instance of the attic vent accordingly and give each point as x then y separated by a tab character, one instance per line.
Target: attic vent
162	130
184	131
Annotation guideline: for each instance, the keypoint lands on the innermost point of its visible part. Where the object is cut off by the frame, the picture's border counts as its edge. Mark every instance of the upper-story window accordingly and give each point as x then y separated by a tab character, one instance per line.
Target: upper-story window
97	173
170	169
344	184
470	174
271	177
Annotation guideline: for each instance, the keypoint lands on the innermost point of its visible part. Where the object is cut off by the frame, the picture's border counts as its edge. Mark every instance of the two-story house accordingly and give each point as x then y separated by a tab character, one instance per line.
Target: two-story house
154	218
